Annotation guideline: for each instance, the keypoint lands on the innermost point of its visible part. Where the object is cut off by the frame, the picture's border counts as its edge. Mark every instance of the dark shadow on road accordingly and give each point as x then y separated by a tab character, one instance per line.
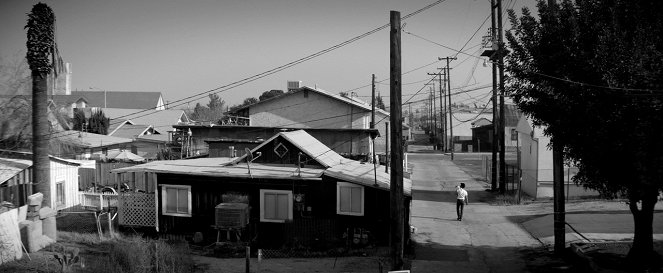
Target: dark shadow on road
450	196
468	258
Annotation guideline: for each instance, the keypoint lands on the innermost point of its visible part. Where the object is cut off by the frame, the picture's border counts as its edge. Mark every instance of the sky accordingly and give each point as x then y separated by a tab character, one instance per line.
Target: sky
184	48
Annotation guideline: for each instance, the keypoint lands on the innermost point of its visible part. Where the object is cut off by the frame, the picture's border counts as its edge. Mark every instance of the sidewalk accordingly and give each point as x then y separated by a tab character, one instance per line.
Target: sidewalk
486	240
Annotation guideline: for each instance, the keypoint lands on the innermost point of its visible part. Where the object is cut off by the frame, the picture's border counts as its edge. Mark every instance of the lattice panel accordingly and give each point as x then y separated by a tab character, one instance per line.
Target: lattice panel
137	209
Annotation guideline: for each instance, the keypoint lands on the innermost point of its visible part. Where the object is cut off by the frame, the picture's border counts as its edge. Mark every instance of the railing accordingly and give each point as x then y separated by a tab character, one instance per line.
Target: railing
98	201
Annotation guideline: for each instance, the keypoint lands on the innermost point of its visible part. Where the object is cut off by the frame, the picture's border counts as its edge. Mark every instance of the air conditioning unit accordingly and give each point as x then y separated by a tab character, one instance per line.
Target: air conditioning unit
294	85
232	215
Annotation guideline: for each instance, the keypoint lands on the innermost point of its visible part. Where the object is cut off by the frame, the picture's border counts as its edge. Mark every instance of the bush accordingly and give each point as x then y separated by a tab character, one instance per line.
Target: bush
137	255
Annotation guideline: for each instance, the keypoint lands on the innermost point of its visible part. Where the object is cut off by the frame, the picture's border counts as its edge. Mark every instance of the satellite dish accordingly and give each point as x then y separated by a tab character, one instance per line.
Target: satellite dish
249	155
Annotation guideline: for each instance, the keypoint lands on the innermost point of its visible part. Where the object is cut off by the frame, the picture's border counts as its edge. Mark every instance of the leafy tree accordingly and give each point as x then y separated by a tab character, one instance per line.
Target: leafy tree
344	94
249	101
379	103
592	73
98	123
79	121
270	94
212	112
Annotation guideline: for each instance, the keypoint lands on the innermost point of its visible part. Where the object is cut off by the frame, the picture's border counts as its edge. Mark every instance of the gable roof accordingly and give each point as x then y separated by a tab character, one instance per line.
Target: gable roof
363	174
120	99
354	102
159	119
308	145
130	131
61	100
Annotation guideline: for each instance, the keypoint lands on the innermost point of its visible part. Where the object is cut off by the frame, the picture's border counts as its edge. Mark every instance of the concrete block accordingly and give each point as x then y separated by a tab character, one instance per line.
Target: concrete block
46	212
49	227
35	199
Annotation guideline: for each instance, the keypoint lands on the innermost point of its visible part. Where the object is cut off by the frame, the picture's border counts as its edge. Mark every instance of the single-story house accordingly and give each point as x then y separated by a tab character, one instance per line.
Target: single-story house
16	180
298	191
536	164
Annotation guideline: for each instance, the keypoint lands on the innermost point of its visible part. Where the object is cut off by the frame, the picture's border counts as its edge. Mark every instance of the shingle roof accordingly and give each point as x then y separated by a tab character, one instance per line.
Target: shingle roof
121	99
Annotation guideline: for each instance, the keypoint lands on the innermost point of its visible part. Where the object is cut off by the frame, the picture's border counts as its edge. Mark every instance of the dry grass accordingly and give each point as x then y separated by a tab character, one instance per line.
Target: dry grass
124	254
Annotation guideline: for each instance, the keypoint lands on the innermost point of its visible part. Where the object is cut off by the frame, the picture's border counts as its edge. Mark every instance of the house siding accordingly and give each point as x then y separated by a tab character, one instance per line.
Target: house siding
307	226
308	110
69	174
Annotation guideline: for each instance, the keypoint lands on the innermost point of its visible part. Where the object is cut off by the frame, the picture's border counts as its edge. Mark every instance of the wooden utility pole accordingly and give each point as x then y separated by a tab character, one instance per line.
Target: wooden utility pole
495	142
397	205
558	196
558	186
443	121
451	129
500	52
386	147
375	171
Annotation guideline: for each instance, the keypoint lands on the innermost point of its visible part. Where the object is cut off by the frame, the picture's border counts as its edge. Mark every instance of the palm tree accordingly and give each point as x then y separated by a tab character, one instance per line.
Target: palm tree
43	58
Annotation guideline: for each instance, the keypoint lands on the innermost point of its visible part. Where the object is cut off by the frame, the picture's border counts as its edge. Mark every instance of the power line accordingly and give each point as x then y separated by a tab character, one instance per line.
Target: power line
282	67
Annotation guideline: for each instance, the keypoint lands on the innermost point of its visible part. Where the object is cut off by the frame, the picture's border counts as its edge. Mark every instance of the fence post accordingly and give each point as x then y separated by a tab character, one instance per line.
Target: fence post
248	255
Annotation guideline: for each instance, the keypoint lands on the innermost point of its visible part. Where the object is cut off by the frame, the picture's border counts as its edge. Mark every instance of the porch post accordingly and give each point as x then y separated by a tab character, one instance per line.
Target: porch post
156	201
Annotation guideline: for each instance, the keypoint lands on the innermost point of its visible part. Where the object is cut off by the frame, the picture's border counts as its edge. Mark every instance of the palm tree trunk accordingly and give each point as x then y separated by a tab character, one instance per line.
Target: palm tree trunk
40	161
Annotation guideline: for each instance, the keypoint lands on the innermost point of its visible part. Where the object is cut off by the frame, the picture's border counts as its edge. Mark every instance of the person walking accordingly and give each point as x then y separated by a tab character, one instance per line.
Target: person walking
461	200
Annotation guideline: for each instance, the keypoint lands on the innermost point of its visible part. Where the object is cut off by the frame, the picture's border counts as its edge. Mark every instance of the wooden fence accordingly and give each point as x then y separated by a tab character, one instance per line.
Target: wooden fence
98	201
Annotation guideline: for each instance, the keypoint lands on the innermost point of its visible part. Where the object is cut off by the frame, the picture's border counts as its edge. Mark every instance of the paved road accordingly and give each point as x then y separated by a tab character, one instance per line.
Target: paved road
485	241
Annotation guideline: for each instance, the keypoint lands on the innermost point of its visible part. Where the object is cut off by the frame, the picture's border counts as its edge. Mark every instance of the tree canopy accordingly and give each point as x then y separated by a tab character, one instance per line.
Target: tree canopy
212	112
270	94
591	72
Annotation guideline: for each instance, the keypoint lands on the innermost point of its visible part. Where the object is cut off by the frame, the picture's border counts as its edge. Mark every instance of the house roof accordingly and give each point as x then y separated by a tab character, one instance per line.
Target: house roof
10	167
363	174
61	100
121	99
218	167
308	145
352	101
130	130
160	119
154	138
89	140
462	122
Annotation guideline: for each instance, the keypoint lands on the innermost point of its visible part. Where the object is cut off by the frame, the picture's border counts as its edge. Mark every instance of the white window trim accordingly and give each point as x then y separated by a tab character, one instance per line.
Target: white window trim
164	200
338	198
262	205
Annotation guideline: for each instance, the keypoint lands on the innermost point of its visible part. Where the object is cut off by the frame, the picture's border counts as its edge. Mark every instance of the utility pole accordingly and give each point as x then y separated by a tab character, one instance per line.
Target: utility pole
558	185
500	52
451	129
443	121
386	148
375	171
495	142
396	186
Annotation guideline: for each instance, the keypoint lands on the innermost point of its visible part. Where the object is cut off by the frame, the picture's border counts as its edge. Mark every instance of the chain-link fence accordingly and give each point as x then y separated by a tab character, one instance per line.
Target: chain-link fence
80	220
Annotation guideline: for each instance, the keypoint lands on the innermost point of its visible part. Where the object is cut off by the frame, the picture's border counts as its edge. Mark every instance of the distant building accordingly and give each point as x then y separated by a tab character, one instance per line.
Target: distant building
123	99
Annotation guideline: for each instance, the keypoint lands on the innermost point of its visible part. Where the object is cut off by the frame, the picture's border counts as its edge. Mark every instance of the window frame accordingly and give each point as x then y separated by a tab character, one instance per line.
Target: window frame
164	200
339	185
57	195
262	205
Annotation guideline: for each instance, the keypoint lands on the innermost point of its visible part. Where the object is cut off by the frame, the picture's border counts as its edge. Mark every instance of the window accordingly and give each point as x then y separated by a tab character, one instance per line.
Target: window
176	200
275	206
59	194
349	199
